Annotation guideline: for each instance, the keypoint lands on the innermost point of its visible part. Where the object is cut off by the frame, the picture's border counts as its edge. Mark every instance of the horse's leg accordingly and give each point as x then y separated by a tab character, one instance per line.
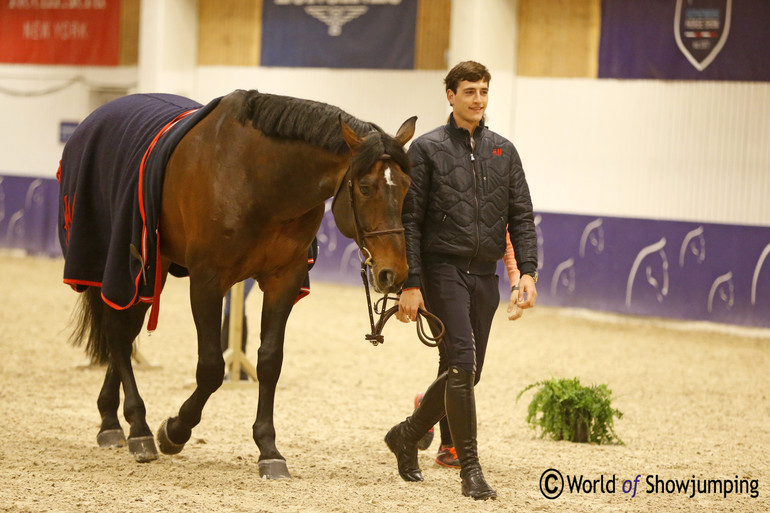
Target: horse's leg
121	327
111	433
206	302
276	307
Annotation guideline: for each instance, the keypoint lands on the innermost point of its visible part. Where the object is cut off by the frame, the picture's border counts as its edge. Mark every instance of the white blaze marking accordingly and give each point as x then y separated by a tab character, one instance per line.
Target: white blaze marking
388	178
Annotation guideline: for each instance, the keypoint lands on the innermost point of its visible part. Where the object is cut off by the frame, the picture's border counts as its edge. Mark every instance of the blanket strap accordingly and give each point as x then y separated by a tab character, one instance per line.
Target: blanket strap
152	323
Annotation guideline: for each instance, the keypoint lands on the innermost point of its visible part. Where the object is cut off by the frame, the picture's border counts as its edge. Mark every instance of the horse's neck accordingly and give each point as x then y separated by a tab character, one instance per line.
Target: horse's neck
324	175
306	181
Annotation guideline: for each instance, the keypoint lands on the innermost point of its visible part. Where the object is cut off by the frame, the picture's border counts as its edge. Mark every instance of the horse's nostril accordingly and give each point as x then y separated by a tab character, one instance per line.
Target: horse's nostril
385	278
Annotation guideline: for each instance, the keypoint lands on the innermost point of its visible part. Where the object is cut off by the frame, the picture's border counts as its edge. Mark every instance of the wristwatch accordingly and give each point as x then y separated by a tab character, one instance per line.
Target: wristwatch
534	275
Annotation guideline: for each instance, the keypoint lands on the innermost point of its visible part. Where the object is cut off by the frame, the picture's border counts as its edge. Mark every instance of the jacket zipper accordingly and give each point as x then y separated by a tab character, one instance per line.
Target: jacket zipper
476	220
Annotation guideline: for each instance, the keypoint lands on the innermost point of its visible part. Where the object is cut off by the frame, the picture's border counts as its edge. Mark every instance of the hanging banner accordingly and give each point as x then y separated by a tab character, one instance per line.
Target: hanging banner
685	39
701	28
76	32
378	34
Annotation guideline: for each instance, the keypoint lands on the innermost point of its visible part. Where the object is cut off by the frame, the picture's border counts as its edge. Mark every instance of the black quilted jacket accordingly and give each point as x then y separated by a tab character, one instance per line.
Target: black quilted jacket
460	202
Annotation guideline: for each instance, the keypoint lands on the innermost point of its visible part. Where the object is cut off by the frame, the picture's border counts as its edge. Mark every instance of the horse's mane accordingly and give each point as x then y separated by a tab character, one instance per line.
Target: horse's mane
313	122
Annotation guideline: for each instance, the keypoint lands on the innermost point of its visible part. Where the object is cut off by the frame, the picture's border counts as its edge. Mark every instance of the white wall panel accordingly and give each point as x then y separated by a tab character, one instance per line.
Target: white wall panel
386	98
34	100
650	149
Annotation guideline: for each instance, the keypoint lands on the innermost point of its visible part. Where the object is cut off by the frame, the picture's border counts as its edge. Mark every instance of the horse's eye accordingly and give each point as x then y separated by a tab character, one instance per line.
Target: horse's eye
365	188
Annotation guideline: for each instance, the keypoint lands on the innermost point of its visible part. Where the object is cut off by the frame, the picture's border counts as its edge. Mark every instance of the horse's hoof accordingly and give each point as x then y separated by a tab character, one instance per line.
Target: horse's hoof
165	443
143	448
273	469
111	438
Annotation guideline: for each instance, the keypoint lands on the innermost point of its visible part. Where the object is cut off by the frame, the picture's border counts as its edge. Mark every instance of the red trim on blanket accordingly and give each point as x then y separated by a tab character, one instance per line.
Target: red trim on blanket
75	283
303	291
115	305
153	321
155	309
85	283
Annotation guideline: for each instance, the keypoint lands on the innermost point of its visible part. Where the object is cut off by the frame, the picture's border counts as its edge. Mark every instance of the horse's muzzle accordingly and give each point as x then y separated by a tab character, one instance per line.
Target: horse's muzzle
386	281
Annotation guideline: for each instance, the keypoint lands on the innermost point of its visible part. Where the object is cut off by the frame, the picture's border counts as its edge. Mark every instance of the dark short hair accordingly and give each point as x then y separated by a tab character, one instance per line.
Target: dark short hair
471	71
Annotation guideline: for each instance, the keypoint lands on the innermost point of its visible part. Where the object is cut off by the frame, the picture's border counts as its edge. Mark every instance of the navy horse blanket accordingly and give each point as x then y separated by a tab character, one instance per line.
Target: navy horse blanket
111	179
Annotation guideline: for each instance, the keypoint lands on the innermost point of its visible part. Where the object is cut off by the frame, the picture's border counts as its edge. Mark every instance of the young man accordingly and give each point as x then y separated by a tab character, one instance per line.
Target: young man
467	185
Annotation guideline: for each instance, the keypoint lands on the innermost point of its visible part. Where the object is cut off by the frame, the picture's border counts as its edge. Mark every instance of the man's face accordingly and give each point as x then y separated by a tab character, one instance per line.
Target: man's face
469	103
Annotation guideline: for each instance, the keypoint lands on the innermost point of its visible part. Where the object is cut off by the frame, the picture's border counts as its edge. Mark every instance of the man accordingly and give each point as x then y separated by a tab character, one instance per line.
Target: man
467	185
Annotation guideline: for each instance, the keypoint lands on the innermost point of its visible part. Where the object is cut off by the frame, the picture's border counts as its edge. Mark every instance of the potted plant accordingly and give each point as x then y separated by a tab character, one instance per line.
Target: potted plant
566	410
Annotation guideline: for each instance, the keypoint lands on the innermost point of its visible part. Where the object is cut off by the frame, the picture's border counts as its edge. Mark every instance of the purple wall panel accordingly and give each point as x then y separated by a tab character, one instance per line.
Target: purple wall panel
670	269
28	213
696	271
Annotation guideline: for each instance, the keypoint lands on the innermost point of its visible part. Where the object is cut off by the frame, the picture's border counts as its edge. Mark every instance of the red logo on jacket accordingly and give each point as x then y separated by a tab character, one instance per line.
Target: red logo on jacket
497	151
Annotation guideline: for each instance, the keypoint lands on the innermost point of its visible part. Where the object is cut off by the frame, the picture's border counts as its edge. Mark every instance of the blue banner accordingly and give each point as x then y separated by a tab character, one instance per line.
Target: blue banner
685	39
376	34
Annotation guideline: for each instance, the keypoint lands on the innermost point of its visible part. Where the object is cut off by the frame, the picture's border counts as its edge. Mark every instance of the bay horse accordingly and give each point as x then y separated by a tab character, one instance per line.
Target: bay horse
242	195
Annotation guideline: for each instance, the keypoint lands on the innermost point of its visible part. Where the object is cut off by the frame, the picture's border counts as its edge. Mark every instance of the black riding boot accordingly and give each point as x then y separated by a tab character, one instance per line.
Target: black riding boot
402	438
461	414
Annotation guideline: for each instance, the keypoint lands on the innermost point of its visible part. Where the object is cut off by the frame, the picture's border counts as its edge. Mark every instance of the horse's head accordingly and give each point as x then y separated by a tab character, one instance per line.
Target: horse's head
368	202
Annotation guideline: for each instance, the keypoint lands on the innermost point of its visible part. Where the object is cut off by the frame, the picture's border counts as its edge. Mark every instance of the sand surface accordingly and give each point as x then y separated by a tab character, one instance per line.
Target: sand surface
696	402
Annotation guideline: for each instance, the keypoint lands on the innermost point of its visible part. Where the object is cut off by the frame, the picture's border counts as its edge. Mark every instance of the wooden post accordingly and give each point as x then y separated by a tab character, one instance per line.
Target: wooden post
235	360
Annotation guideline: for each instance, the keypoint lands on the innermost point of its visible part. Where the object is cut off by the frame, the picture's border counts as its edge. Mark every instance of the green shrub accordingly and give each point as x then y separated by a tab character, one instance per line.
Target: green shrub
566	410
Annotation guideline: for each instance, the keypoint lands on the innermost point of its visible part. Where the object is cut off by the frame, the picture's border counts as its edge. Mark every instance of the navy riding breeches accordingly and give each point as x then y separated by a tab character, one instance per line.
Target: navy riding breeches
466	304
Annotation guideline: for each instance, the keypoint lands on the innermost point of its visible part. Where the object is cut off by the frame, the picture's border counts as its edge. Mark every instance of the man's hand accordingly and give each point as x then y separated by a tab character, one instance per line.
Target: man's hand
514	312
527	292
408	303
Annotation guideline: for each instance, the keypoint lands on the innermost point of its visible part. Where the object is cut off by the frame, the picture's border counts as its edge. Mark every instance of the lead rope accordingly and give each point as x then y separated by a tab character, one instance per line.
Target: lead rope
374	337
380	307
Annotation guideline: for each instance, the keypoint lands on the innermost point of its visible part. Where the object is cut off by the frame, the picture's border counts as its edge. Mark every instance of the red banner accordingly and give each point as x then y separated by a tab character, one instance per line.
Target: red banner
80	32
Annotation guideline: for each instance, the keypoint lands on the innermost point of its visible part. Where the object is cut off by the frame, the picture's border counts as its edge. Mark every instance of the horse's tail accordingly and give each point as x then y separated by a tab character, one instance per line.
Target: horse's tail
89	319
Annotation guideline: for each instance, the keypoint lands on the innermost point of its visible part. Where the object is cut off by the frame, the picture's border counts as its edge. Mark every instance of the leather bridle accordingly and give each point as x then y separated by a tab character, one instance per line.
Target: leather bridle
365	256
361	233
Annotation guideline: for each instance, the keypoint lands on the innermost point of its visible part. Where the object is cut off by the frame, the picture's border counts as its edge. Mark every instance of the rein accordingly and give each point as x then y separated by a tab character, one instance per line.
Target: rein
380	308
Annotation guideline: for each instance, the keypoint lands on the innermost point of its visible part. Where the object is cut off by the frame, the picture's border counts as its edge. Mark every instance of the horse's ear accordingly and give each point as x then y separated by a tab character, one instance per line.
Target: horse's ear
406	131
352	138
